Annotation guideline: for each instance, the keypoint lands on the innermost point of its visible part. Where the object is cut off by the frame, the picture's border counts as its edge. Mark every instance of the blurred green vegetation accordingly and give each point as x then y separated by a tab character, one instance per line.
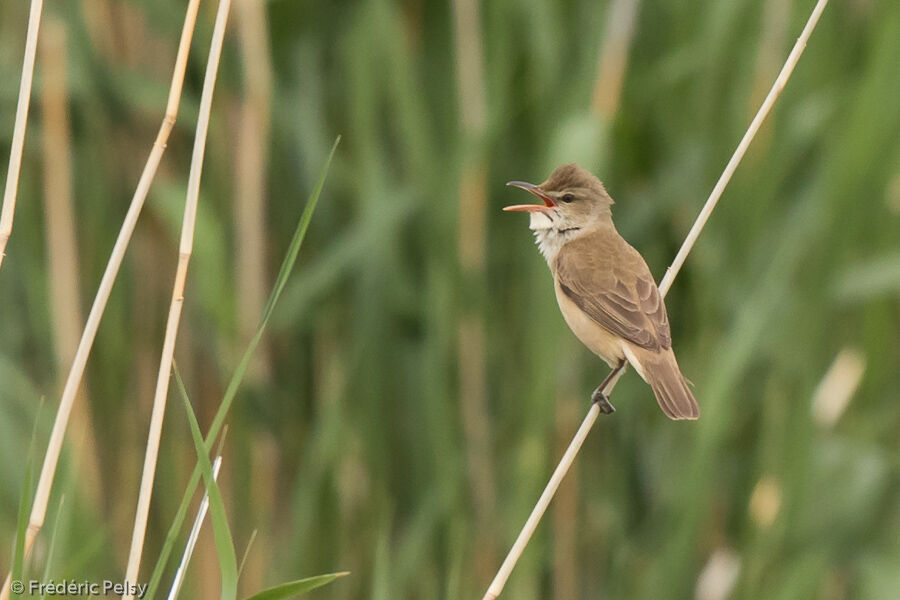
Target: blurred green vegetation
418	383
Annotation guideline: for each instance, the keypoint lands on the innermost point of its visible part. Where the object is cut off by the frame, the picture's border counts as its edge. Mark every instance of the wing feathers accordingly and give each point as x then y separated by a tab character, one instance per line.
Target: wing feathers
609	281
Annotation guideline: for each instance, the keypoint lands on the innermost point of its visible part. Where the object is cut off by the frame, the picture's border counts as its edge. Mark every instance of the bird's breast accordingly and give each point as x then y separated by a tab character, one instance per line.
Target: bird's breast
600	341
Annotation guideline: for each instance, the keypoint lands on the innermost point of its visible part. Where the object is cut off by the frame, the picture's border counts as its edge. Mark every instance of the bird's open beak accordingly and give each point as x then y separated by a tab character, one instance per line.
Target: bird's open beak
531	188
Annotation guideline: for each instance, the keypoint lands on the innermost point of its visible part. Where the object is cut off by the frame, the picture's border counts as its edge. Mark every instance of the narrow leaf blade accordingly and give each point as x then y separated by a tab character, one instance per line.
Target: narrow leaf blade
295	588
18	563
221	531
287	266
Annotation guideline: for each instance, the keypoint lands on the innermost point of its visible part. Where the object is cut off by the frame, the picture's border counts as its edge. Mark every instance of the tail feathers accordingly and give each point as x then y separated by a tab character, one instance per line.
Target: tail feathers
660	370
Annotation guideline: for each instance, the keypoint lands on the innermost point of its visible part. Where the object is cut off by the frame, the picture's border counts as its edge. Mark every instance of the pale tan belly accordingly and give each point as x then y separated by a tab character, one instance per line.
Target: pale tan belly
601	342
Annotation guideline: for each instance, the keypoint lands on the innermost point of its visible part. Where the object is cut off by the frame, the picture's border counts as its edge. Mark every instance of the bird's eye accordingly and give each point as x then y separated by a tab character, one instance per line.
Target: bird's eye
568	198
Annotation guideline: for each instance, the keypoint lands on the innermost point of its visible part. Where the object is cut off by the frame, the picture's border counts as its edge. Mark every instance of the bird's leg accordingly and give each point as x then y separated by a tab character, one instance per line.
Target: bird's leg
600	398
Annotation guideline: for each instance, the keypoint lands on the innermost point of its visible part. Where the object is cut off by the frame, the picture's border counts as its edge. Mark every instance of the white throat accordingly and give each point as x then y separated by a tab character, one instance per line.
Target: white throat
551	233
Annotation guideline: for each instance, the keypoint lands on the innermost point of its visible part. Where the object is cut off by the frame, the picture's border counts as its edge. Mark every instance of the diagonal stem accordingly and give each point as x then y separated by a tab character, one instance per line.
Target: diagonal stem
18	140
496	587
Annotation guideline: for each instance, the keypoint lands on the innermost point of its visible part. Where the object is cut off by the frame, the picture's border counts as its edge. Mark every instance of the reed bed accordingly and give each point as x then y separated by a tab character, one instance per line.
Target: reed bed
415	383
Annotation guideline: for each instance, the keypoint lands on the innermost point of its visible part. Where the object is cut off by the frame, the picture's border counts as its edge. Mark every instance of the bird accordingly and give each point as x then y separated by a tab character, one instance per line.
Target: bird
604	288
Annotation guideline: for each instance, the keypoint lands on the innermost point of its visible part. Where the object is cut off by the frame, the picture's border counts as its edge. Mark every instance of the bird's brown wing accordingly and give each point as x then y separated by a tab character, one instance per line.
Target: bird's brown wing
609	280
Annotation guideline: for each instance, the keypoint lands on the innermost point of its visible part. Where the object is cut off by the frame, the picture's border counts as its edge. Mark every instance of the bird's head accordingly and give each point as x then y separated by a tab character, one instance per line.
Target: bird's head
572	199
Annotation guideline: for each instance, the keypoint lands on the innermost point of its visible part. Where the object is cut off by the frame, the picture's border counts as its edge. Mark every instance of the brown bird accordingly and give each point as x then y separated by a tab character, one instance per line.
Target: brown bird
604	288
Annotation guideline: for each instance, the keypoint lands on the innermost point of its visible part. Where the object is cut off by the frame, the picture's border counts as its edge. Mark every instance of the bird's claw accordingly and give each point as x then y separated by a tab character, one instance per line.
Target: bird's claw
602	401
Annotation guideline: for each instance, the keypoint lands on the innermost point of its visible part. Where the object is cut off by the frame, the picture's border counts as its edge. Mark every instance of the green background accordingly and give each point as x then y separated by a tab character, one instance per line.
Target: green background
417	383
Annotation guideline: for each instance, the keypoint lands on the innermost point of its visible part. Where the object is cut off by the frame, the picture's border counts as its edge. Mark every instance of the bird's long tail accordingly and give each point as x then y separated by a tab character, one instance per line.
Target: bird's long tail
660	370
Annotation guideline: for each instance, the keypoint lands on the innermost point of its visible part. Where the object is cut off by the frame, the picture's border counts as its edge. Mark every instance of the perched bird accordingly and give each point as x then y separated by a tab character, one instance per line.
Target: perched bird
604	288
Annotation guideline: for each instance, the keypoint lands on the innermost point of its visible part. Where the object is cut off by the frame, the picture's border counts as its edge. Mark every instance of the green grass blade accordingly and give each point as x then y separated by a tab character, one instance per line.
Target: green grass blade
18	563
247	552
172	535
221	531
22	523
287	266
295	588
52	545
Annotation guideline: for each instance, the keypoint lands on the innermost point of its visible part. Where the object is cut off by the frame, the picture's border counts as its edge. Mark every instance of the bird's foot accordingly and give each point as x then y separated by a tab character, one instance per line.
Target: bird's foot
602	401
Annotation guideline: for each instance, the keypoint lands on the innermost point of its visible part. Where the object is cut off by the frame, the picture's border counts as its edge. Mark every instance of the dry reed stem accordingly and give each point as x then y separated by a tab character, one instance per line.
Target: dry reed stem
175	308
471	255
62	249
48	470
469	65
59	218
250	176
192	537
97	14
496	587
773	38
613	58
250	229
18	140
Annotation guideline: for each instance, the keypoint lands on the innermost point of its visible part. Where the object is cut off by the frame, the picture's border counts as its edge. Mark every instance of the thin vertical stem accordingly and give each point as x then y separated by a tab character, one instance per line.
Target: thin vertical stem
250	173
471	255
250	227
177	304
59	217
613	61
59	223
18	140
76	373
